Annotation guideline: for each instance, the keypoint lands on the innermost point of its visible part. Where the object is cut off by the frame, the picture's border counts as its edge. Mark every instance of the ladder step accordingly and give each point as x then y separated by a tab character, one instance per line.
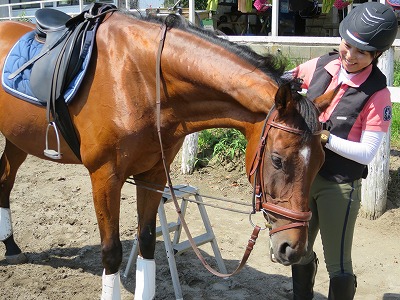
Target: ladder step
180	191
172	227
199	240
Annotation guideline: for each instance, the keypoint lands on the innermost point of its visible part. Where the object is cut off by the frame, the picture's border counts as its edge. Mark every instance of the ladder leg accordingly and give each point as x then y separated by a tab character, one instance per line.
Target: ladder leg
170	251
132	257
178	232
214	244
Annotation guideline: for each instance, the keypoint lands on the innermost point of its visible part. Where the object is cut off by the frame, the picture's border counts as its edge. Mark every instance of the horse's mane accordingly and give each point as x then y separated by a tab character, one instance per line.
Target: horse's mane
306	109
272	65
309	112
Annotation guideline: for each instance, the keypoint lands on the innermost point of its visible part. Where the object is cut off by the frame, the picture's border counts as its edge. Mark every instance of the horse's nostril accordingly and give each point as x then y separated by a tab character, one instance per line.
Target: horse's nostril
284	248
287	252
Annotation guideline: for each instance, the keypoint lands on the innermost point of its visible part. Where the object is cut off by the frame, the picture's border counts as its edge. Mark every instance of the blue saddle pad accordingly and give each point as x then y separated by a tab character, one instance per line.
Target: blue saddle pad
24	50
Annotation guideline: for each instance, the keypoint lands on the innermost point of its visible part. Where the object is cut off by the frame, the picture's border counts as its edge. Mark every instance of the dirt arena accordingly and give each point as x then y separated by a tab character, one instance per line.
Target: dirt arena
55	225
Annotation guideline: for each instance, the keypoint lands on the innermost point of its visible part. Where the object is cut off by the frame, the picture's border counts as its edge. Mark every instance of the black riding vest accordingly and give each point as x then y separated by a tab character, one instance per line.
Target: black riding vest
336	167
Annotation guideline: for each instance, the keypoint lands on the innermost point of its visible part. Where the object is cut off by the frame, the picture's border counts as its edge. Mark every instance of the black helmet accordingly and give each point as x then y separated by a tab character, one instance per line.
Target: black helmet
371	26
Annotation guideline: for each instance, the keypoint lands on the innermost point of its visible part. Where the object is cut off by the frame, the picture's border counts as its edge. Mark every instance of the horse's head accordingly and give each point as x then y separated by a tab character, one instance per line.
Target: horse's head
283	164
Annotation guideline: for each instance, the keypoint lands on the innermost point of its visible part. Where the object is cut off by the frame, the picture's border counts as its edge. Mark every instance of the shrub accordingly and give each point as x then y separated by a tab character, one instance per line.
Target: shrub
221	144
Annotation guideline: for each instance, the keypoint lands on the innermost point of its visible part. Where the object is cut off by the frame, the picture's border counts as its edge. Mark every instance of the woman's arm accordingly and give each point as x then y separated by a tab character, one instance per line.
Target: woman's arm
362	152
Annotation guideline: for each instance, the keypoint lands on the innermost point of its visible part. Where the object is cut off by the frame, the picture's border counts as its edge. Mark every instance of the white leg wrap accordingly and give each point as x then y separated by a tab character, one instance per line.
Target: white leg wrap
145	279
111	287
5	224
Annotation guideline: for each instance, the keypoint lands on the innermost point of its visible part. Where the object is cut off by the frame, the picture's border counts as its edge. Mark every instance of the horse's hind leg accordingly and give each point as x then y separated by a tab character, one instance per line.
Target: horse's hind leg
11	160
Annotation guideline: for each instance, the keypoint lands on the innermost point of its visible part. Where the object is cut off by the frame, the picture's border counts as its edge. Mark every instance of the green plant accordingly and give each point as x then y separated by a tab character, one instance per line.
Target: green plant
396	72
231	144
223	145
198	4
22	17
293	62
395	130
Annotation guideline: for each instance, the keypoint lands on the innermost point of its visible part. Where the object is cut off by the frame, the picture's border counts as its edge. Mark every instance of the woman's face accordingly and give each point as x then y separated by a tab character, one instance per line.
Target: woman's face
354	59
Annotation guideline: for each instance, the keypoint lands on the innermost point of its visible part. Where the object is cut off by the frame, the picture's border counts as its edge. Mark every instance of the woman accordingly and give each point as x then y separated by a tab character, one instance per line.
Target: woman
355	123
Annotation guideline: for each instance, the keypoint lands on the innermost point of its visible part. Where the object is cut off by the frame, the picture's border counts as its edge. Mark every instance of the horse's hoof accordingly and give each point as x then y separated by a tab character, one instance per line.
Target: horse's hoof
16	259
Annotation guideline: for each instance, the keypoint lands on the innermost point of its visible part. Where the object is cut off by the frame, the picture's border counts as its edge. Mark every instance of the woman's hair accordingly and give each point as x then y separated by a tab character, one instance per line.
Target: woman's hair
375	55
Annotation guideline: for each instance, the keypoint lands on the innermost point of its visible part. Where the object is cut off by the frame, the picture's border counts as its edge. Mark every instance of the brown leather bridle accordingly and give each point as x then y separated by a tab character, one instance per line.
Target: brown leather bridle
260	201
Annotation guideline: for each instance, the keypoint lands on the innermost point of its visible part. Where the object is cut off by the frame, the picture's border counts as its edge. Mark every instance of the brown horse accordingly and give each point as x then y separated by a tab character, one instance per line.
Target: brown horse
206	82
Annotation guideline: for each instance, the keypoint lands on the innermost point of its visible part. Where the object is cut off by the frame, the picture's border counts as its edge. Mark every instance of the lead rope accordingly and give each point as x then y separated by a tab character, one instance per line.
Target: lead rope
256	229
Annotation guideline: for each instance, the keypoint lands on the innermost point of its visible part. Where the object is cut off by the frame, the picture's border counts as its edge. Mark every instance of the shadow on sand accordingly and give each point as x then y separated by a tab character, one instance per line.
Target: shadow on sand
196	282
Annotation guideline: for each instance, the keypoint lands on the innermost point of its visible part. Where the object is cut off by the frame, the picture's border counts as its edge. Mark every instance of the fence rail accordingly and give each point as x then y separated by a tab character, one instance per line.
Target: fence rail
28	12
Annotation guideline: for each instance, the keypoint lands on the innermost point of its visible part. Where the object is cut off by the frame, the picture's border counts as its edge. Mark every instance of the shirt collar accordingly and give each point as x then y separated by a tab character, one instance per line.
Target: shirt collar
334	66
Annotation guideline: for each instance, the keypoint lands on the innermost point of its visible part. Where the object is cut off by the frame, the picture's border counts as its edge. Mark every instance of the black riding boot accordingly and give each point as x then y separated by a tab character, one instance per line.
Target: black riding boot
303	277
342	287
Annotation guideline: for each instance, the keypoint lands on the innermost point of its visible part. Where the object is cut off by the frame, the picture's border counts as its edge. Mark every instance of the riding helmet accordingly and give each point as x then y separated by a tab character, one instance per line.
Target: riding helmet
371	26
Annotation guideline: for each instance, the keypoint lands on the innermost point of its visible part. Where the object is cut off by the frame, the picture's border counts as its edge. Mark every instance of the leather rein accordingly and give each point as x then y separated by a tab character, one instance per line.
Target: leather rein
300	218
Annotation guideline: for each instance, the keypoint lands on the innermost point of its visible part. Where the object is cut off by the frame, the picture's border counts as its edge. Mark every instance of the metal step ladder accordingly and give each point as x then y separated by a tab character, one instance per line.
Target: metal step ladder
174	247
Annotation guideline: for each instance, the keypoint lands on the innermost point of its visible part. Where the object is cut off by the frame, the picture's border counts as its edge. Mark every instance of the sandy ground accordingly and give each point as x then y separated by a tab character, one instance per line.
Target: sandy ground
55	225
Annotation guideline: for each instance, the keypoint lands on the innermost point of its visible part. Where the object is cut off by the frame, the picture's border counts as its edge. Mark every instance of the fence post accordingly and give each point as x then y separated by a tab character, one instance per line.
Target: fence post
189	153
375	186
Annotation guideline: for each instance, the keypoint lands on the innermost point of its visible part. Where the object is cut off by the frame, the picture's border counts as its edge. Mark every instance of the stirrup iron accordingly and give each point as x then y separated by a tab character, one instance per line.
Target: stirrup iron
53	154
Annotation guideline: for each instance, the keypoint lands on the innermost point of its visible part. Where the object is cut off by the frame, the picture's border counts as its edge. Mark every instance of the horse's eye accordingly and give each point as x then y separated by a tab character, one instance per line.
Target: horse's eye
276	161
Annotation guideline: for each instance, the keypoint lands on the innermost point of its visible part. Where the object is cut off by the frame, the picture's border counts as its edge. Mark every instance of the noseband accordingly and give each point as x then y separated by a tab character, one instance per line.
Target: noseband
260	202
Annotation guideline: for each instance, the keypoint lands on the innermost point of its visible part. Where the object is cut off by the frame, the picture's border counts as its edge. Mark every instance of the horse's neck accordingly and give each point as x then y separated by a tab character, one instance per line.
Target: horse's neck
215	87
203	84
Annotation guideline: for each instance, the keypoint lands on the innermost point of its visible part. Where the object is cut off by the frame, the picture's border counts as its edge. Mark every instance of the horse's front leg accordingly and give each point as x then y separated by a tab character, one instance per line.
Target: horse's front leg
10	162
106	195
147	207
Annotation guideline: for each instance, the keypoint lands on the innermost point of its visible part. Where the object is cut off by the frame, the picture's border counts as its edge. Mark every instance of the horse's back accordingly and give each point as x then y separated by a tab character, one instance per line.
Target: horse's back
15	29
10	32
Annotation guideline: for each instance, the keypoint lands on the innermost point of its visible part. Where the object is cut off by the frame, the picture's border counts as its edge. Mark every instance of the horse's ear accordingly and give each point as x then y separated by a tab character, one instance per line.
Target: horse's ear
322	102
283	97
